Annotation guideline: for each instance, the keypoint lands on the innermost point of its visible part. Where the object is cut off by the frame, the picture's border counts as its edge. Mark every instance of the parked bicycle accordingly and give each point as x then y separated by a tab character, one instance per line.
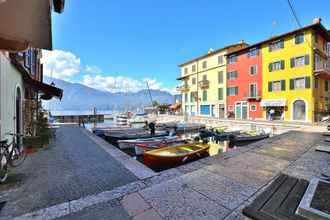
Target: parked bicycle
12	154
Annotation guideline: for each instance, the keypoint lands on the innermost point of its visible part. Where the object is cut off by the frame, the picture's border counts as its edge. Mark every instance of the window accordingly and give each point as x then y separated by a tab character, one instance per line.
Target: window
186	97
299	38
299	61
204	77
28	59
204	64
220	93
220	77
326	85
275	86
232	91
315	38
185	70
205	110
232	59
300	83
253	90
277	45
253	108
192	98
253	70
193	80
278	65
193	68
204	96
220	59
253	52
232	74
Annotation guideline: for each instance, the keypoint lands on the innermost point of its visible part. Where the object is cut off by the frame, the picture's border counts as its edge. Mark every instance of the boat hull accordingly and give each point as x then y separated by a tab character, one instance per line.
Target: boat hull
124	144
156	159
141	148
239	139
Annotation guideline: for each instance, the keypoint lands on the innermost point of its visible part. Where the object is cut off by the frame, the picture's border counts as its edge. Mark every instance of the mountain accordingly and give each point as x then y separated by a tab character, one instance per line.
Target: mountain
80	97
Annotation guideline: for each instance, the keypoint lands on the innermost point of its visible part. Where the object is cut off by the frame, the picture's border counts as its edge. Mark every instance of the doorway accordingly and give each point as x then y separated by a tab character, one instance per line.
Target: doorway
221	111
299	110
241	110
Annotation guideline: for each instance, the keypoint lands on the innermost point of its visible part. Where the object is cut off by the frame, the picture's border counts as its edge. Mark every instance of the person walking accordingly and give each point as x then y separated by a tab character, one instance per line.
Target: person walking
152	127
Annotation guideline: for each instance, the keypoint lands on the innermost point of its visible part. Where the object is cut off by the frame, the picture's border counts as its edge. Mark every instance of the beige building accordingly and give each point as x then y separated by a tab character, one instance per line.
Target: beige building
203	86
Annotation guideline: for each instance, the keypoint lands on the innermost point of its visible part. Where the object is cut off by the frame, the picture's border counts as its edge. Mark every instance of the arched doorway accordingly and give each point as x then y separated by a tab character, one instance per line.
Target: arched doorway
18	115
299	110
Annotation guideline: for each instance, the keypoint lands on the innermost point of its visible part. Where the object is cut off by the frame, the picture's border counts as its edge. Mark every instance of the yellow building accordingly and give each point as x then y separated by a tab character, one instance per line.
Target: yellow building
295	76
203	86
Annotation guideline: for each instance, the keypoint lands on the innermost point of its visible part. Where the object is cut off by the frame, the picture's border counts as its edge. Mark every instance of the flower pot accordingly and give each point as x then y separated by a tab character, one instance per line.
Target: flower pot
32	142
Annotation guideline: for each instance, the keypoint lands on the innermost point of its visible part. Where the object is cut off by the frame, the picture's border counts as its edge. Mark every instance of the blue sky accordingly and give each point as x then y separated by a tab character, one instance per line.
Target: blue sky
147	39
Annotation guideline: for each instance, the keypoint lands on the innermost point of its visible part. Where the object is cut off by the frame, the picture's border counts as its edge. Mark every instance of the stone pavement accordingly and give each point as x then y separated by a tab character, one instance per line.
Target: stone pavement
217	187
72	167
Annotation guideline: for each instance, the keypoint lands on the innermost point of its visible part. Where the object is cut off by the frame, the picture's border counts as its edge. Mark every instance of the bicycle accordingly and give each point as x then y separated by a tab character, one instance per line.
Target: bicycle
12	154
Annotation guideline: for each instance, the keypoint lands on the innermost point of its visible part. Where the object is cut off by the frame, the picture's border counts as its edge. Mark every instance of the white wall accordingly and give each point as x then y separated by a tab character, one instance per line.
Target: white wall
10	79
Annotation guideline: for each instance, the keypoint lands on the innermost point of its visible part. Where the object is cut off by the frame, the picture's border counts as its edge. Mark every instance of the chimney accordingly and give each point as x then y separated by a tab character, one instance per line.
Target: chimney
210	50
317	20
241	41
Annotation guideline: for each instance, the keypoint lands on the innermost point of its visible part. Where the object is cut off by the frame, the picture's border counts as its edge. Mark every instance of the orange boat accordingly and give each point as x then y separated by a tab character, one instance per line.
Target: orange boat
170	156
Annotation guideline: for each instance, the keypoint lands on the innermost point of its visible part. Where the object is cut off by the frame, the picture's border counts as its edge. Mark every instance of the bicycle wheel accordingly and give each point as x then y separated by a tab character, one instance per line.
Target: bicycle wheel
17	155
3	169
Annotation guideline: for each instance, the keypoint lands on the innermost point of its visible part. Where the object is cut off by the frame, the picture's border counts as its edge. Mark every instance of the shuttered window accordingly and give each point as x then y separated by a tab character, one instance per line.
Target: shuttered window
278	65
232	75
299	38
220	77
300	83
299	61
220	93
204	96
277	45
276	86
232	91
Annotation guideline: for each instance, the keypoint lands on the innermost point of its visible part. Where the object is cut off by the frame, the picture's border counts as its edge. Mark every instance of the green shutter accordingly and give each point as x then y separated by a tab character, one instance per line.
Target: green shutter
270	86
204	95
282	64
307	60
292	62
236	90
291	84
282	43
270	67
220	93
307	82
283	85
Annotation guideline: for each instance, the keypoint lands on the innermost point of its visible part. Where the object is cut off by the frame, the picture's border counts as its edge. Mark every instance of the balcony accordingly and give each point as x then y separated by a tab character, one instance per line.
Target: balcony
322	70
182	88
253	96
204	84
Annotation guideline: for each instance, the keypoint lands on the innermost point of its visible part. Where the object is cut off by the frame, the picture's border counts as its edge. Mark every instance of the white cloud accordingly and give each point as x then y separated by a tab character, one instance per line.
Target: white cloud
93	69
64	65
121	83
60	64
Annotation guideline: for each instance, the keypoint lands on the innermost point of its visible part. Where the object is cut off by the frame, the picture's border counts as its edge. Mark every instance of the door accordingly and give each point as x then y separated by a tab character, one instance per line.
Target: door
221	111
238	111
244	111
299	110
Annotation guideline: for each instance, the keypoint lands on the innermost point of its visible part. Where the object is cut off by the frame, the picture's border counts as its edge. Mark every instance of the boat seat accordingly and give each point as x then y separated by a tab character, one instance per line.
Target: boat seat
4	141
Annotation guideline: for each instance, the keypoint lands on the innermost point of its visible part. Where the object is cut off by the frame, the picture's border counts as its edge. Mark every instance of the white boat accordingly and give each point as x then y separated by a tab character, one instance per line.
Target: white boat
122	119
138	118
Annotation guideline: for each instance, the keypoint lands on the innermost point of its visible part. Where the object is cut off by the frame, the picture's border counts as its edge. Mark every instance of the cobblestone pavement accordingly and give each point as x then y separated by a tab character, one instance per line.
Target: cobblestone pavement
216	187
72	167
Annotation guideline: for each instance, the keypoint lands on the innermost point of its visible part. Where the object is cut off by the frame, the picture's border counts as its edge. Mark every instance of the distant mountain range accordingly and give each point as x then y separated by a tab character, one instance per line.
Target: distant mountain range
81	97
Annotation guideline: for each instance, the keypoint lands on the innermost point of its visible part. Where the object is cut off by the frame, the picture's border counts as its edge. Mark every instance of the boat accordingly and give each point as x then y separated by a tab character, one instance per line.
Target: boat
172	156
122	119
115	137
143	147
111	130
249	136
138	118
124	144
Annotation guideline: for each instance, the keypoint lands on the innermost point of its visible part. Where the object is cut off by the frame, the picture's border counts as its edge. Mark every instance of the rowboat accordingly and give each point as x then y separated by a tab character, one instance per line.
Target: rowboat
111	130
170	156
115	137
248	136
143	147
124	144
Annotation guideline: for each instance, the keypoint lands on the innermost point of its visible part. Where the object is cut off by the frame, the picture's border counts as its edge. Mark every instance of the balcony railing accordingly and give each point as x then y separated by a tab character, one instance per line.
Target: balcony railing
322	69
204	84
253	96
182	88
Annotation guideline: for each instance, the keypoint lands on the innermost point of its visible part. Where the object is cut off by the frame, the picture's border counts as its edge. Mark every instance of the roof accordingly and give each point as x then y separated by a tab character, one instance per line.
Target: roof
317	26
214	52
48	90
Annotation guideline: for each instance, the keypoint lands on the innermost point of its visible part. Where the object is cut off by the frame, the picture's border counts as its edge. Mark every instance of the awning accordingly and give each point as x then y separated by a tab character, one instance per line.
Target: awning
48	91
26	23
273	102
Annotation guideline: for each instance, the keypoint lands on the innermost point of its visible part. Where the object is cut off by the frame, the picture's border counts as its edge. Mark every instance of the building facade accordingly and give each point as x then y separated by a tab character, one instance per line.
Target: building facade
295	76
244	83
203	86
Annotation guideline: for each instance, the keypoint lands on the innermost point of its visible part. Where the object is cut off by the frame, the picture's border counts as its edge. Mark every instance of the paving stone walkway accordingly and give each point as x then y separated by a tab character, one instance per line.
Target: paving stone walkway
217	187
72	167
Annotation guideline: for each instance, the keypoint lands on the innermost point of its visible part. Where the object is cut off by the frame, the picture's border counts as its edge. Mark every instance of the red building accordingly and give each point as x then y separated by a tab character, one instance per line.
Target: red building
244	83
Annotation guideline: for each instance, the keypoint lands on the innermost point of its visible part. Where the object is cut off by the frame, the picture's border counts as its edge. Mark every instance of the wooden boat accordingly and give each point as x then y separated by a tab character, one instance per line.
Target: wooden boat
143	147
111	130
124	144
115	137
170	156
249	136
